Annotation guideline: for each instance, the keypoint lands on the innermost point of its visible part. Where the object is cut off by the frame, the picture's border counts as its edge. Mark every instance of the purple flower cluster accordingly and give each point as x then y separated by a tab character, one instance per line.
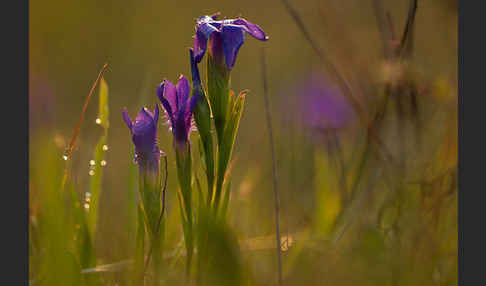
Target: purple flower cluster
225	38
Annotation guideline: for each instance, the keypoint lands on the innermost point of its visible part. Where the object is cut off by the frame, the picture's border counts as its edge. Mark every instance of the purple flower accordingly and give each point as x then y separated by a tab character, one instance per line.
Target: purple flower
225	37
178	107
324	106
144	137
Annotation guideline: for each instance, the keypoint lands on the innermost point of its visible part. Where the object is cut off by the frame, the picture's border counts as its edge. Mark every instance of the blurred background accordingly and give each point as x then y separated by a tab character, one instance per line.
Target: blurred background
363	201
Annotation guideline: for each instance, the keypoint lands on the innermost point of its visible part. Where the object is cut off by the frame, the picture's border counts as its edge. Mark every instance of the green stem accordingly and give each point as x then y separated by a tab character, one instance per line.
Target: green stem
183	162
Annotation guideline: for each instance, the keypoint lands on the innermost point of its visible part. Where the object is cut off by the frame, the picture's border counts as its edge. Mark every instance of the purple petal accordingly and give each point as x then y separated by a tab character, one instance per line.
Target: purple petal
127	119
193	101
179	128
216	48
215	16
233	37
168	91
189	109
144	122
148	113
203	31
207	28
204	19
196	80
156	114
200	46
144	134
168	109
183	90
252	29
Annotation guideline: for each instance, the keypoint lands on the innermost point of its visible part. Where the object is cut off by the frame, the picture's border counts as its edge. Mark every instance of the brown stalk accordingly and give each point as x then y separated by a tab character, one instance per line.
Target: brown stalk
78	128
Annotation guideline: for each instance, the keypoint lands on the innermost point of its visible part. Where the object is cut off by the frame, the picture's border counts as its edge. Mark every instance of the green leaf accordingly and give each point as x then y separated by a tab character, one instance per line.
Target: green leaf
103	110
96	170
96	180
226	148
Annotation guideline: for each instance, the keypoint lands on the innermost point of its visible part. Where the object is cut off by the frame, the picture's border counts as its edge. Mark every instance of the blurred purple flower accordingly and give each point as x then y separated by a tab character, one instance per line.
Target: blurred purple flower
225	37
144	137
178	107
324	106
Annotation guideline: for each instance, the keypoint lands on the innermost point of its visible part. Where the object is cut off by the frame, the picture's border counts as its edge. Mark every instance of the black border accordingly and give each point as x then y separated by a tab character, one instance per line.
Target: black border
472	189
15	138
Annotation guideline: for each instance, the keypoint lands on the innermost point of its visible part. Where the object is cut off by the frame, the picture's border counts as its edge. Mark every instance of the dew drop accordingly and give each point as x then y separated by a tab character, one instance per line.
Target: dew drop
92	162
105	147
86	206
91	172
103	163
98	121
65	157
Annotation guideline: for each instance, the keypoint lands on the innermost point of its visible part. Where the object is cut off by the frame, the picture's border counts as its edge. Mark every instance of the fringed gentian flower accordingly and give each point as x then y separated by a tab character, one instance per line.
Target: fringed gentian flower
178	107
147	156
225	37
144	137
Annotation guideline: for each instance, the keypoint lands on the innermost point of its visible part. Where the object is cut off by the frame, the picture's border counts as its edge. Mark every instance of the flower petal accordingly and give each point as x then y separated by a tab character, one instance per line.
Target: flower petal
144	123
166	90
156	114
168	109
203	31
193	101
127	119
190	108
179	128
252	29
233	37
200	46
215	16
196	79
183	90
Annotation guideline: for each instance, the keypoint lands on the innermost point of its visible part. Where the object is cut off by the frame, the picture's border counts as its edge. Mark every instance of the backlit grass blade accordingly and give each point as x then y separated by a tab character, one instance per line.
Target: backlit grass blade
99	161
